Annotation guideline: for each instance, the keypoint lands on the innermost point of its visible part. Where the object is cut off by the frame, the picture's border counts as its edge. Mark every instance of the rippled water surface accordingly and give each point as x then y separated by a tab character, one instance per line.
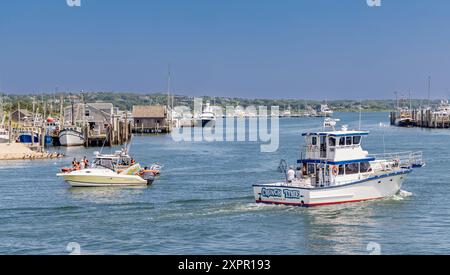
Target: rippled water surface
203	202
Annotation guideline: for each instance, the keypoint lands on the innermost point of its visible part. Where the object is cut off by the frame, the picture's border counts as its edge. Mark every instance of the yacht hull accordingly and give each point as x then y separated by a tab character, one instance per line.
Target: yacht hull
370	189
206	123
71	138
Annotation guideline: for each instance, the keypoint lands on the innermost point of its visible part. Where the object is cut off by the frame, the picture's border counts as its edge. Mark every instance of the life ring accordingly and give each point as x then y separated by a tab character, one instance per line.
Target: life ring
335	170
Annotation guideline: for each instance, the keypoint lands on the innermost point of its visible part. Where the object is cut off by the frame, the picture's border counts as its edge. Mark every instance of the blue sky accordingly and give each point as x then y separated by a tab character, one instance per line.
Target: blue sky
318	49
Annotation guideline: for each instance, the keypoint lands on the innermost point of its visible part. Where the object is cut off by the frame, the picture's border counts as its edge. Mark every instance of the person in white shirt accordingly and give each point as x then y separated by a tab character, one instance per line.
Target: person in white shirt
291	174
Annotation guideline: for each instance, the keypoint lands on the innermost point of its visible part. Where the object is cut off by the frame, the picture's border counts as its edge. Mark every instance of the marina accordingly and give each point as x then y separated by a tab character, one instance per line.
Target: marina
204	191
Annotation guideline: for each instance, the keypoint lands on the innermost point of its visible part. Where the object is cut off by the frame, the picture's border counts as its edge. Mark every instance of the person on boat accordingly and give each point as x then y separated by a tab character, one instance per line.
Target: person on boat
82	165
133	162
291	174
86	162
74	163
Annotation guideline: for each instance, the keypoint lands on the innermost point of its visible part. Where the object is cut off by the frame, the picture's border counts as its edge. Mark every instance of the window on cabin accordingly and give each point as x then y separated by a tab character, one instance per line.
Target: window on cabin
311	169
351	169
356	140
314	141
341	170
332	141
87	112
364	167
348	141
342	141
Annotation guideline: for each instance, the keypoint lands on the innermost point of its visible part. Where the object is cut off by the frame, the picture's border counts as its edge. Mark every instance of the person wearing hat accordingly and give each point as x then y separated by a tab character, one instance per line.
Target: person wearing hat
291	174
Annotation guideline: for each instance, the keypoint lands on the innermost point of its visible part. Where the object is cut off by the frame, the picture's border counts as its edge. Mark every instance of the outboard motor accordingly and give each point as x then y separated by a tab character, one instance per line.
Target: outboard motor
149	177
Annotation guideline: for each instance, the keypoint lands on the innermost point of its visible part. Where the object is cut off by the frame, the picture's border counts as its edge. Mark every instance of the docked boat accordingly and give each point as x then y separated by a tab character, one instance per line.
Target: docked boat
71	136
335	169
28	137
4	135
207	118
324	111
404	118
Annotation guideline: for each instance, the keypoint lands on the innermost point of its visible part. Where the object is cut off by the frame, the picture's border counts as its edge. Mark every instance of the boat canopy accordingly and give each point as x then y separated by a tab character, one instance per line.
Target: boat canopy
317	161
337	133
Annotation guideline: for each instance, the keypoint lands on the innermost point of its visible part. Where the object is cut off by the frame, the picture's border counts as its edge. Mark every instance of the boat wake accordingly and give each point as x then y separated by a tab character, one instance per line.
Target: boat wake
401	195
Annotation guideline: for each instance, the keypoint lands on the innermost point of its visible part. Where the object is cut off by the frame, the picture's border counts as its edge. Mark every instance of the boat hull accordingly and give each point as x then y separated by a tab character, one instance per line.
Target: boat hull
26	138
103	181
206	123
370	189
71	138
404	123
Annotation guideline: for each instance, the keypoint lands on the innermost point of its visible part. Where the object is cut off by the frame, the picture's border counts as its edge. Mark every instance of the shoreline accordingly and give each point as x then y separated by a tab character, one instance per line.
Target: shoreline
18	151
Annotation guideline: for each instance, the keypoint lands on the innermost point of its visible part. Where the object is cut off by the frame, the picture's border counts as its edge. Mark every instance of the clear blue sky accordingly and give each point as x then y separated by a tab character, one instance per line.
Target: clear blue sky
319	49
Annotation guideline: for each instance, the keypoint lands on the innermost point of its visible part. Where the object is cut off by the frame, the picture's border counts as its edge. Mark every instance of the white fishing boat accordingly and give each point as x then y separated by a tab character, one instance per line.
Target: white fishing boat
71	136
335	169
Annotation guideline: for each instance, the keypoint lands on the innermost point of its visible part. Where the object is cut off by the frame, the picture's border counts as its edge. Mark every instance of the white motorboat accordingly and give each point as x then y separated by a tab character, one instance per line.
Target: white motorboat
71	136
100	177
111	170
335	169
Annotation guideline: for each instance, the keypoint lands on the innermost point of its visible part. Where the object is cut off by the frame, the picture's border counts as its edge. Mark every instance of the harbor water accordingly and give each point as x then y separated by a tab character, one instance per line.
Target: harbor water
203	201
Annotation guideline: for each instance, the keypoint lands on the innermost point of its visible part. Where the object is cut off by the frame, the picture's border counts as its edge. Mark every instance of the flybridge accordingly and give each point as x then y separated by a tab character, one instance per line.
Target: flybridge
337	134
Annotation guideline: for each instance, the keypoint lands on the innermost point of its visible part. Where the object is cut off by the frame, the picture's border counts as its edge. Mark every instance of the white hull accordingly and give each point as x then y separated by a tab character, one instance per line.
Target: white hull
371	189
101	178
89	184
71	138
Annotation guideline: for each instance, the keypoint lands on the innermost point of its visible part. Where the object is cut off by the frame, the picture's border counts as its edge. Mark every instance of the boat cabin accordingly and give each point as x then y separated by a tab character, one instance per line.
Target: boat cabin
116	161
334	157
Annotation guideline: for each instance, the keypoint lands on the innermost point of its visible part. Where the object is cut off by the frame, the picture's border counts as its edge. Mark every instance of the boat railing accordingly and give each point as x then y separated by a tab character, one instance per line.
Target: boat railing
404	159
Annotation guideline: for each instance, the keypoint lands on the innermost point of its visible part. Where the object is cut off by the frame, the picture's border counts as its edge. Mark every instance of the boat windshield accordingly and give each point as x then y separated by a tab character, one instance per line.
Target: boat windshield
104	163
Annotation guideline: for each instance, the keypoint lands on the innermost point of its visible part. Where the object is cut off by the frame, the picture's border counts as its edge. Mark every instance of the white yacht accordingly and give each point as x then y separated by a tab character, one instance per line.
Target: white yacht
71	136
335	169
324	111
207	117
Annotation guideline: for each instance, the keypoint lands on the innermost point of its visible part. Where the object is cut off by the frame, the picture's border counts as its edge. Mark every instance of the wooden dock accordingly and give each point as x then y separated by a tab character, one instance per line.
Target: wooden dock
424	118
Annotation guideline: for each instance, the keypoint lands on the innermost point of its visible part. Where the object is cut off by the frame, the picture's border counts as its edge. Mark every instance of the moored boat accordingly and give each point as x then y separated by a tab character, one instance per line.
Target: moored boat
71	136
335	169
207	118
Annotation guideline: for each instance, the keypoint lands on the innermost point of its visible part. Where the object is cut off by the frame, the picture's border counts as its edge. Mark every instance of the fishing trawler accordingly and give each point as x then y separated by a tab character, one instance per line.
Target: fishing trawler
334	169
71	136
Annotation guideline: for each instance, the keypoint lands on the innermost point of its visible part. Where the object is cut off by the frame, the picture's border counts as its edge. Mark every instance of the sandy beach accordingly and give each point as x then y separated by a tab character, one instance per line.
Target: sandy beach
17	151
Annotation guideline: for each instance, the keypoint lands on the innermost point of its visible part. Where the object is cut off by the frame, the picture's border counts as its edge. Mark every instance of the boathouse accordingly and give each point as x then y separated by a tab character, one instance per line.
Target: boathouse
98	116
150	119
22	116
